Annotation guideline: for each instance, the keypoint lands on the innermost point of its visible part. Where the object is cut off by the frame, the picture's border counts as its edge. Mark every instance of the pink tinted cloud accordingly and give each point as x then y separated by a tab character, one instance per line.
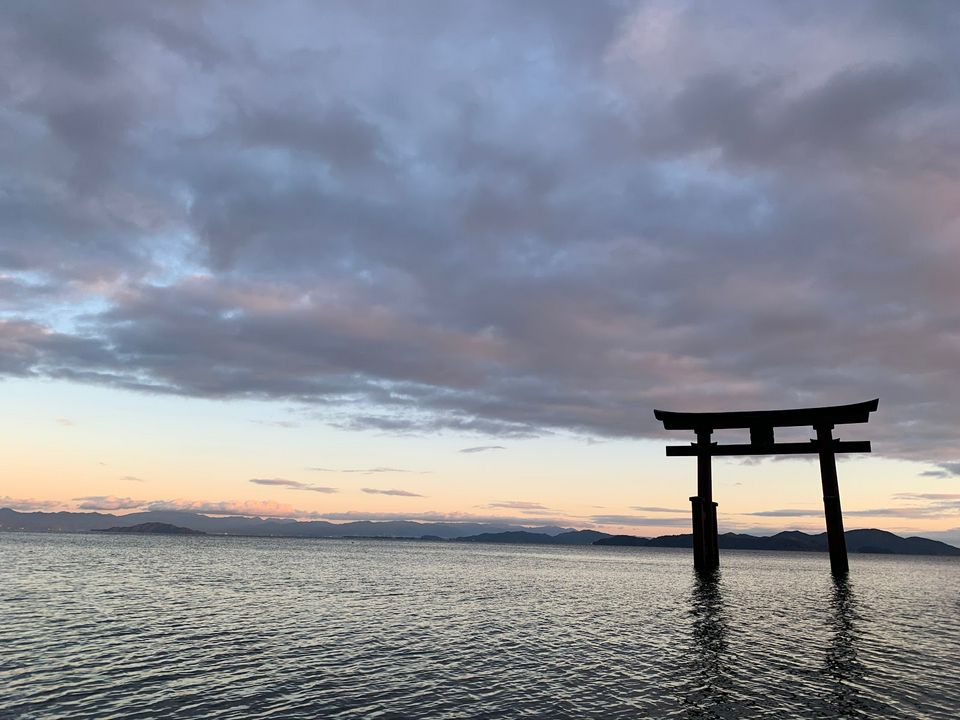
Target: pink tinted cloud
107	502
453	517
253	508
394	492
29	504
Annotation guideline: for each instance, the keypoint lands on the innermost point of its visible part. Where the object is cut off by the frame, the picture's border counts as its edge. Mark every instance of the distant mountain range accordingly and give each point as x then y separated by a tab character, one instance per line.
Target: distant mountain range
263	527
858	541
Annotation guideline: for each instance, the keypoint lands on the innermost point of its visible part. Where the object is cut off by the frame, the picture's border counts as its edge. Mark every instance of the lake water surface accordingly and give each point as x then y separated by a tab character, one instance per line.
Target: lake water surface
113	626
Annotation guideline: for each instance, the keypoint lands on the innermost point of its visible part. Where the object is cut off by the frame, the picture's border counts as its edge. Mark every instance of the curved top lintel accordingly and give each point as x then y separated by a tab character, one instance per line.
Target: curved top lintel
830	415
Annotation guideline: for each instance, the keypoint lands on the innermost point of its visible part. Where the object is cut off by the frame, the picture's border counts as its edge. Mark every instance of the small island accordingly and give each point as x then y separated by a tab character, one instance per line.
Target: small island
152	528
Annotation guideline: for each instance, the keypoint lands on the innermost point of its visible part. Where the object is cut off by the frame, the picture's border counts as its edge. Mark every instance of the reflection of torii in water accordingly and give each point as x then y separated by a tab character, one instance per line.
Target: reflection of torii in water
761	424
842	664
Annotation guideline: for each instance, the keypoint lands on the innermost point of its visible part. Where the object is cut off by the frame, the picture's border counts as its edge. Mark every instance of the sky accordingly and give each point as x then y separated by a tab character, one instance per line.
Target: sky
440	260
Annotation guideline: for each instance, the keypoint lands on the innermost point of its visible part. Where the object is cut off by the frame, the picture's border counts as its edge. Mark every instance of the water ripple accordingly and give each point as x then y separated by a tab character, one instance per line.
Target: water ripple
182	627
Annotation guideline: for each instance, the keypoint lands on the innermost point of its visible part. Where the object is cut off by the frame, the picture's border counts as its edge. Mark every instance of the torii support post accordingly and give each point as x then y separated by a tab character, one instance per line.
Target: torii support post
836	540
761	424
706	548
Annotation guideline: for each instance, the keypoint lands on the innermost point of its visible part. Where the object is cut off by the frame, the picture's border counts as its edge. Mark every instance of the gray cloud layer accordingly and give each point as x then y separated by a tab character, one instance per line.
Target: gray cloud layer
394	492
524	506
496	217
29	504
925	505
640	521
293	485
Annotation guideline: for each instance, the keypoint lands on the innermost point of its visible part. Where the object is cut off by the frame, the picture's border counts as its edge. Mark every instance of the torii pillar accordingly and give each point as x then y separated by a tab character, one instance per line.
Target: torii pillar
706	548
761	423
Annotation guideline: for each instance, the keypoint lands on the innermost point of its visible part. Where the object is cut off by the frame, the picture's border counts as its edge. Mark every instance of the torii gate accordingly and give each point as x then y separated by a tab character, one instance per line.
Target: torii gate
706	554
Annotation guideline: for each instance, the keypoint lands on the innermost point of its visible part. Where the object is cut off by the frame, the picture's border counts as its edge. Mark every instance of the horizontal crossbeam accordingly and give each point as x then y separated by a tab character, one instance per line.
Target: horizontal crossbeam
790	448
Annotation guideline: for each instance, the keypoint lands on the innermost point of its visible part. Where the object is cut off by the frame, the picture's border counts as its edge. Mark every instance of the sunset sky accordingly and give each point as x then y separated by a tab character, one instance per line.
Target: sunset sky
436	260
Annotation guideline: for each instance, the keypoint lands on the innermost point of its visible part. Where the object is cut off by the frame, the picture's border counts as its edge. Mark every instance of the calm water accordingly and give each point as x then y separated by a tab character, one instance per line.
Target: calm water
204	627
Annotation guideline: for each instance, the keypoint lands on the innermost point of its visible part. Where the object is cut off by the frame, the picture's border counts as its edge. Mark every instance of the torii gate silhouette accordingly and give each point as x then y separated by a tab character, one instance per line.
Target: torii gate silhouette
706	554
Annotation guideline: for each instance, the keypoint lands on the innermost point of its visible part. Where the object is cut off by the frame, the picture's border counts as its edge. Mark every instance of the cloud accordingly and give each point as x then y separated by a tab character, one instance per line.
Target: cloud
277	481
928	496
482	448
65	422
933	505
641	521
941	506
640	508
788	512
293	485
901	512
453	517
107	502
944	470
519	505
718	214
29	504
132	478
398	493
248	508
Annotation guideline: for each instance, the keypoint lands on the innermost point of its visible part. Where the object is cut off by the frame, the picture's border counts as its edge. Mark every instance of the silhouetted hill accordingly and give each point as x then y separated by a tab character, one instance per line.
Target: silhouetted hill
871	541
626	540
580	537
858	541
261	527
153	528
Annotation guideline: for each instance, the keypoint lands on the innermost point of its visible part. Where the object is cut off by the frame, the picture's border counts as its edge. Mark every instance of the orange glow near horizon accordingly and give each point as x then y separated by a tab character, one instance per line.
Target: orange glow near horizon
85	448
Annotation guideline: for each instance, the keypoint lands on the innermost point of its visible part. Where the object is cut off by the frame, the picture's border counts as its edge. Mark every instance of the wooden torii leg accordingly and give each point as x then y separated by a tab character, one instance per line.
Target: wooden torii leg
715	539
831	501
706	551
699	531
